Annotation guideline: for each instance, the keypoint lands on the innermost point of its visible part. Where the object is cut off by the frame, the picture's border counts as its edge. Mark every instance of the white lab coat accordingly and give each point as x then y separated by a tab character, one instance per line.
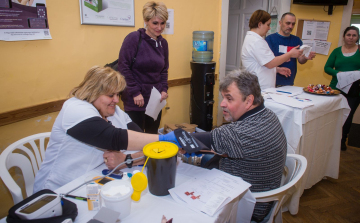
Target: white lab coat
255	54
67	158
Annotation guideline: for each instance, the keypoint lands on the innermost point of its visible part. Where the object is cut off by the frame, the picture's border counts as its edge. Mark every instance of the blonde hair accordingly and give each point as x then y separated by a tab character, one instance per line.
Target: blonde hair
152	9
99	81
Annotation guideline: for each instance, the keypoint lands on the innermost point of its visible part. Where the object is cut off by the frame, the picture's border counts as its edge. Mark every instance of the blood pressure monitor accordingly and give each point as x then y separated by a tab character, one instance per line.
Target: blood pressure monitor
44	206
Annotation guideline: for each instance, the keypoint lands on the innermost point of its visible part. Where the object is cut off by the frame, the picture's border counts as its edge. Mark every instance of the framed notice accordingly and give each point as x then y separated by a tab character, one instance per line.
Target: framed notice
107	12
24	20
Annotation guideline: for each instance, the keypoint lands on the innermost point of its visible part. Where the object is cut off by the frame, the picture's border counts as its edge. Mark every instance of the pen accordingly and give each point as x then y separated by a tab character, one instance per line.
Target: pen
302	99
77	197
284	92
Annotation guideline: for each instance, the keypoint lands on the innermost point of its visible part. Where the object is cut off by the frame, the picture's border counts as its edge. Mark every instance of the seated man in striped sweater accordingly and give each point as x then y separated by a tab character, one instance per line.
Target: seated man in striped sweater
253	145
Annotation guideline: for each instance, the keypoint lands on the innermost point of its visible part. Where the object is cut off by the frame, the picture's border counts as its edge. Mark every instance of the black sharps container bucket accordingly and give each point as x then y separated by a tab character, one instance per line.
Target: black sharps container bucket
161	166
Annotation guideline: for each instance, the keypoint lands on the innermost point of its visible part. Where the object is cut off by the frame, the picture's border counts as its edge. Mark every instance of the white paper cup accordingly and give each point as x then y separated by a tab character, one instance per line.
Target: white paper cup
121	204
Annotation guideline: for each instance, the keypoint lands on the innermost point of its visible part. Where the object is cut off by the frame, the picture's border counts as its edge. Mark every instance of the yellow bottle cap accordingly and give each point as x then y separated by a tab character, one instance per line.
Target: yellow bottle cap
160	150
139	183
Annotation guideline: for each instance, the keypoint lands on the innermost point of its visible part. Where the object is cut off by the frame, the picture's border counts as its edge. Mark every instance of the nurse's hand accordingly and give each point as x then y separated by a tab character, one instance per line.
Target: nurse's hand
295	52
283	71
139	100
114	158
170	137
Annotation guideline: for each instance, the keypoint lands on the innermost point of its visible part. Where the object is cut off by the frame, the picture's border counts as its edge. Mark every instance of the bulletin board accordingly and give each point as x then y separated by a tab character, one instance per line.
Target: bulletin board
316	36
300	26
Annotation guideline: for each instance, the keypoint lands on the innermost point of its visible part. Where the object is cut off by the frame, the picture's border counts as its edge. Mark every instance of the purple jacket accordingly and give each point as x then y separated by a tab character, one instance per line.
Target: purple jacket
150	68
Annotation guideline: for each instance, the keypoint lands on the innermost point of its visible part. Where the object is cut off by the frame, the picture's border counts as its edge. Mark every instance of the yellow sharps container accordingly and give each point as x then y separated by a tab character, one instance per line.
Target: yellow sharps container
161	166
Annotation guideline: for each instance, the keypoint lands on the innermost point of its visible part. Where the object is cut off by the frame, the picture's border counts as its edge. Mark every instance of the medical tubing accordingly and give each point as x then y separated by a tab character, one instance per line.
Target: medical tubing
127	161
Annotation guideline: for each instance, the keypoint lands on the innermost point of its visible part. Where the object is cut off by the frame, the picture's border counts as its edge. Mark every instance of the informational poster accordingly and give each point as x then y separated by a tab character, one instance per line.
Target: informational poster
320	47
107	12
315	30
23	20
169	28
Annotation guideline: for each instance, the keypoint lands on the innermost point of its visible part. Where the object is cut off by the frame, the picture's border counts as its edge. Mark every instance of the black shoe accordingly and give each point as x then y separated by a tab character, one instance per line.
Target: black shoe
343	146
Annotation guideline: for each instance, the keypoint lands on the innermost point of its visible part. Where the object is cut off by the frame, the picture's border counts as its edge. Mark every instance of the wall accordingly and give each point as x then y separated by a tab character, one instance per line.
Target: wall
313	71
356	7
36	72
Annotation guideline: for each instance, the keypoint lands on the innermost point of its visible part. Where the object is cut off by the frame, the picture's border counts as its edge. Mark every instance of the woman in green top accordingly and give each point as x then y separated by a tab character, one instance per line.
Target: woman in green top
346	58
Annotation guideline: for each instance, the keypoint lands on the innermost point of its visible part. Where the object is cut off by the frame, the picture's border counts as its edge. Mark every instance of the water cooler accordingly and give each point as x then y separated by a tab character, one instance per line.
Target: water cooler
202	95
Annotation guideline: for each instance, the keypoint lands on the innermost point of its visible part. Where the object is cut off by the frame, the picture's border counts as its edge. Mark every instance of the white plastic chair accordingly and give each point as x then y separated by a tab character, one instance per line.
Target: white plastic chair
28	167
295	168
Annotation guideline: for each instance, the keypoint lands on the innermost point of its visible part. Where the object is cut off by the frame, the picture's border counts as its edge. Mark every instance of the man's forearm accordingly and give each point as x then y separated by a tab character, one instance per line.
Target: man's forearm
137	155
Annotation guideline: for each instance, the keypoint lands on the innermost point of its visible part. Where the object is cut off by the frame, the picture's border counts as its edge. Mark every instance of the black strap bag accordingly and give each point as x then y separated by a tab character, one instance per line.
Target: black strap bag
69	210
114	65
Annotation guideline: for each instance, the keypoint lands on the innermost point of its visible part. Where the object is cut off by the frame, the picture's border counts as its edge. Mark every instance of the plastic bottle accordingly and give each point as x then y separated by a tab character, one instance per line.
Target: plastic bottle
203	42
193	161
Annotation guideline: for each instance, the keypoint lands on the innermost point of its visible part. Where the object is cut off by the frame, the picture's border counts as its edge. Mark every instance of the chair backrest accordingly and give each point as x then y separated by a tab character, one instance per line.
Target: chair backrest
8	159
296	166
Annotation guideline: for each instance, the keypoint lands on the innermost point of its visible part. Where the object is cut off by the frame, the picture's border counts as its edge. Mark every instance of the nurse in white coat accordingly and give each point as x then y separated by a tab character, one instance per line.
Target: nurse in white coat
257	56
88	124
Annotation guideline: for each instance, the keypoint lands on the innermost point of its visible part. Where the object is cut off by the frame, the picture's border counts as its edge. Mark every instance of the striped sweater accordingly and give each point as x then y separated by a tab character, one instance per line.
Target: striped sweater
256	149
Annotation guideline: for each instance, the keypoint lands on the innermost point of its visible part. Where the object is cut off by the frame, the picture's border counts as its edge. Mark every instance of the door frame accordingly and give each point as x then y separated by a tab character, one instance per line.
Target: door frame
282	5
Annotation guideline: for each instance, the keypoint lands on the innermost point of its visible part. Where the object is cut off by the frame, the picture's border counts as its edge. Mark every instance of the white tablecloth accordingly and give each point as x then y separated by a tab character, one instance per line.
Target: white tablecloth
315	133
151	208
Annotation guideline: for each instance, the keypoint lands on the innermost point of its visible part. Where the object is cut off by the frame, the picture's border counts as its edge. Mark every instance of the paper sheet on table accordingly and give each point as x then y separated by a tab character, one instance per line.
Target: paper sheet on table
345	80
290	101
285	90
210	192
154	106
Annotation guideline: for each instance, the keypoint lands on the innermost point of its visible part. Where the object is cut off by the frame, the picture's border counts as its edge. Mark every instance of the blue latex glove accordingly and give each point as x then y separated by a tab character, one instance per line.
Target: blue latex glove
170	137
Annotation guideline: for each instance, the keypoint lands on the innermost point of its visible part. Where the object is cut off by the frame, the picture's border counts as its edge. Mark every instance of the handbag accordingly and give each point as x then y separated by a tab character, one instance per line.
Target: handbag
114	65
69	210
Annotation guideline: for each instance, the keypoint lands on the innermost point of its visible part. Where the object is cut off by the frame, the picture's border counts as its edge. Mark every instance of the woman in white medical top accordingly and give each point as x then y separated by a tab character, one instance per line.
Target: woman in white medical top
89	124
257	56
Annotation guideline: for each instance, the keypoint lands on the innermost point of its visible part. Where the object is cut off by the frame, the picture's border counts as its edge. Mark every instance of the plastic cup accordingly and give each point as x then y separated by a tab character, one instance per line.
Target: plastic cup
121	204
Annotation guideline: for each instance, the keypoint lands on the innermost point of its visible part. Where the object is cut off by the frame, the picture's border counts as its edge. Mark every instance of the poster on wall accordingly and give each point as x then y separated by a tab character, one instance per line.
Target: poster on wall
23	20
107	12
169	27
315	30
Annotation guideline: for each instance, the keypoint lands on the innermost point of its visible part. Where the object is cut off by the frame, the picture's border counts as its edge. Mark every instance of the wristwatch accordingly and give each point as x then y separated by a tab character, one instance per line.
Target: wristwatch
128	164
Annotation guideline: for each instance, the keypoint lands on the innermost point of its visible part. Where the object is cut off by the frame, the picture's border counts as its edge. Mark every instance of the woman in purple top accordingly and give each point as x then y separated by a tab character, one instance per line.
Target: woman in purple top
150	69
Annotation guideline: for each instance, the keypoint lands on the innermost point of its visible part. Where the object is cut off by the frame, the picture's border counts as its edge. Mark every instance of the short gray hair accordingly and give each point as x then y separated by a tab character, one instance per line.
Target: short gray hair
287	13
247	83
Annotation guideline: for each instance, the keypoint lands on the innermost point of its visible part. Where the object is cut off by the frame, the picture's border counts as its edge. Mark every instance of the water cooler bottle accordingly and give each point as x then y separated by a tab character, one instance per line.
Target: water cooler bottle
201	95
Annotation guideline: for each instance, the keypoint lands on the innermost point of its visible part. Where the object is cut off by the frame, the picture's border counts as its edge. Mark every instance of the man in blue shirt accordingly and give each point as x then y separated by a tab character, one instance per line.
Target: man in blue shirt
283	42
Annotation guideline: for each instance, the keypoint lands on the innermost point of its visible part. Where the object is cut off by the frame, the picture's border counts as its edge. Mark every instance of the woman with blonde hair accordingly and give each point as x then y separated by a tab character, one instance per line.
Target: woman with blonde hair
88	124
144	62
257	56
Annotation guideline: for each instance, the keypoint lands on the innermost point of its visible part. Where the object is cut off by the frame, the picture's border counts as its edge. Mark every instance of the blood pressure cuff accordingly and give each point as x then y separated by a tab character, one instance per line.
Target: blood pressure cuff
190	143
69	210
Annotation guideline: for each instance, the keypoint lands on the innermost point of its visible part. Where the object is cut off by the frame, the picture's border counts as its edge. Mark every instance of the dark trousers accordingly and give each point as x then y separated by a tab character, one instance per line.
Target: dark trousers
145	122
353	104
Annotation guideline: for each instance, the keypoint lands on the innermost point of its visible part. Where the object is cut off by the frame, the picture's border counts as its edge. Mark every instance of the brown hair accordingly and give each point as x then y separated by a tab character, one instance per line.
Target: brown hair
99	81
356	29
152	9
258	16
